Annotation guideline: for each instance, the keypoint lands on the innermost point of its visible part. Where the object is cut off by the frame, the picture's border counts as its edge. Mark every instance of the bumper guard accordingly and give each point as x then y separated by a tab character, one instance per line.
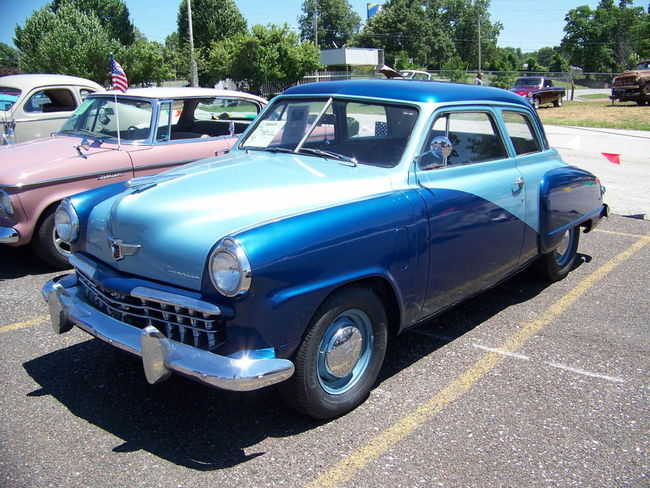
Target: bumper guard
161	356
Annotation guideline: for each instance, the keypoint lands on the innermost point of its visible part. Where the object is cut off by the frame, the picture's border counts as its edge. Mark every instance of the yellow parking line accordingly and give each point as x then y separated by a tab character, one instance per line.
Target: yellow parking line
22	325
346	469
624	234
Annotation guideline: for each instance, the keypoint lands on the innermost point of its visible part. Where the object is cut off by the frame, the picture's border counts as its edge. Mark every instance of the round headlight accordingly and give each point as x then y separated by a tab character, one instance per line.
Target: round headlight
5	203
229	268
66	222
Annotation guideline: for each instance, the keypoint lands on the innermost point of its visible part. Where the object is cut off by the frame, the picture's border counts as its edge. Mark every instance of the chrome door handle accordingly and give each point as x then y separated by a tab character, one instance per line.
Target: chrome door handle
519	182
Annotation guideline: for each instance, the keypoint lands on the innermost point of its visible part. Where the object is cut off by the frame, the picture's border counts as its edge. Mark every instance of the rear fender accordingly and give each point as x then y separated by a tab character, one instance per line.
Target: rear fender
569	197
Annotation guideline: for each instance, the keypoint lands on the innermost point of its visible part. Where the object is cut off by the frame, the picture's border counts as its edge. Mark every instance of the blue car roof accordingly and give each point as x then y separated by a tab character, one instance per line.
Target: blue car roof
408	90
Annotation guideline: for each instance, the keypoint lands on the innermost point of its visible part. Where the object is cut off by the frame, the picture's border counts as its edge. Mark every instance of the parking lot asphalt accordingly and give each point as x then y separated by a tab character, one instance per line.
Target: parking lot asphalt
529	384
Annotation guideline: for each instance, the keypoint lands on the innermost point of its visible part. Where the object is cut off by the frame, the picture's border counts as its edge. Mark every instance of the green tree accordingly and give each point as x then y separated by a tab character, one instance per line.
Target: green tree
336	20
532	65
68	41
544	56
212	21
112	14
401	27
462	18
144	62
559	64
8	56
176	54
268	53
607	39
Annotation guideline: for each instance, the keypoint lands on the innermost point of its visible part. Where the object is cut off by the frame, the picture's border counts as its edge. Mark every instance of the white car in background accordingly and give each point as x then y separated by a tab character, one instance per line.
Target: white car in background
32	106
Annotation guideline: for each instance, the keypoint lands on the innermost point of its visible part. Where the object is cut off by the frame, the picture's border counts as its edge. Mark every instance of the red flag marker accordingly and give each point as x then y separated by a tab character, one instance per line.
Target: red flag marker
613	158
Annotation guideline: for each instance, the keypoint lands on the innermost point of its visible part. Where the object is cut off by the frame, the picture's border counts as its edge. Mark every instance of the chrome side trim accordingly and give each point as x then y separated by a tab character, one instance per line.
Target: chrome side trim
8	235
77	177
160	356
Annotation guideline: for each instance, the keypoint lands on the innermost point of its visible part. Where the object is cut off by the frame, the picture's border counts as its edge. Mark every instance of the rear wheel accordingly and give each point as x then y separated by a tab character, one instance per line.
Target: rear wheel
341	355
47	244
556	264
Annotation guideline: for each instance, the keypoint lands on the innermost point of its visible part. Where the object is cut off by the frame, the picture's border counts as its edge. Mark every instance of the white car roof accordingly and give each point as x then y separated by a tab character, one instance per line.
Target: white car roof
183	92
26	82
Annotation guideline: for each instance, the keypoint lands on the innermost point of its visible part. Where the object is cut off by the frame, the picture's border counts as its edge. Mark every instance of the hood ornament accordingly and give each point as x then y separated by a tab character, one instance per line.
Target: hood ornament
119	248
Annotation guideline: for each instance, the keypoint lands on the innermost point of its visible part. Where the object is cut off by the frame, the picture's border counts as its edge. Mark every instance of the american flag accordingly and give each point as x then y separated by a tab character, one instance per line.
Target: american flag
118	77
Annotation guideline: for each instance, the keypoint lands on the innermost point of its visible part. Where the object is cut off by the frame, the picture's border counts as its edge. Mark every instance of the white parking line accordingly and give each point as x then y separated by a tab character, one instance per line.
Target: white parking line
586	373
555	365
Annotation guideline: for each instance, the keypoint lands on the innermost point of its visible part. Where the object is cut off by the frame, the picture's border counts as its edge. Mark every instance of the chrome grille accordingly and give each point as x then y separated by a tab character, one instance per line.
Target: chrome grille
626	82
178	323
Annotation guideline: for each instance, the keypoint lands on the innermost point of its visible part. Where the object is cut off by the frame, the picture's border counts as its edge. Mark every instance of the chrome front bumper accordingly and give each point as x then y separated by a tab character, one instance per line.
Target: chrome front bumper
161	356
8	235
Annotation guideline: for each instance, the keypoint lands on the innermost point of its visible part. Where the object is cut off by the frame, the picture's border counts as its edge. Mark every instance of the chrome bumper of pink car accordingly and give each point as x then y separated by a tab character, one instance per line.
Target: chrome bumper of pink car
161	356
8	235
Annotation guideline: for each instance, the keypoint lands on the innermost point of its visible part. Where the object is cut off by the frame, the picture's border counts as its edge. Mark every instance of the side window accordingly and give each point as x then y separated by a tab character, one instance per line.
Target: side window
365	120
84	92
51	100
473	136
521	133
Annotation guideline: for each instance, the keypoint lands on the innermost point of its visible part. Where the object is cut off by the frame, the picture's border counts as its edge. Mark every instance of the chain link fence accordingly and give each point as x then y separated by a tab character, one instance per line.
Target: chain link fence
501	79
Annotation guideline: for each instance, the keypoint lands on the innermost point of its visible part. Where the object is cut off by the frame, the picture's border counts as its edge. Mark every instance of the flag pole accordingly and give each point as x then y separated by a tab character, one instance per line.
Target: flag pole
117	112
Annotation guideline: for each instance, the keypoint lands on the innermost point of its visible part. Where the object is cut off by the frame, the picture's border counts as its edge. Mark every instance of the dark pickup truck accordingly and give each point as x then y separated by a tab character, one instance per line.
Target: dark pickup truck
539	90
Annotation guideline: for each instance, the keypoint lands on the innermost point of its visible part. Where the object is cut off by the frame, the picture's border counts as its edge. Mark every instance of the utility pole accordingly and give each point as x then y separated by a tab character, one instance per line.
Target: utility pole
193	69
316	31
479	38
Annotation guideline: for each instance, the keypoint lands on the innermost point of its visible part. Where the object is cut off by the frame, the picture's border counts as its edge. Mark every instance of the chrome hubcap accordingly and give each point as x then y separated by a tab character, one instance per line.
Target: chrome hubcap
563	247
343	351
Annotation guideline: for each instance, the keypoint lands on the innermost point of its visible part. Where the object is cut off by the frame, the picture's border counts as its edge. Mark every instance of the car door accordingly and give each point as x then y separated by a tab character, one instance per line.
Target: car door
475	205
44	110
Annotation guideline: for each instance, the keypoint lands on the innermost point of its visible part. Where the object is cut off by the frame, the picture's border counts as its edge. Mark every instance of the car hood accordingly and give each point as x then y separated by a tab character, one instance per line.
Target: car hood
175	222
44	159
634	72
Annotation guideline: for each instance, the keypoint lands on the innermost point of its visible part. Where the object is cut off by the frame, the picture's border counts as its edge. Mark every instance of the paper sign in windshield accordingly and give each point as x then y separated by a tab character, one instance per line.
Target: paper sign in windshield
265	133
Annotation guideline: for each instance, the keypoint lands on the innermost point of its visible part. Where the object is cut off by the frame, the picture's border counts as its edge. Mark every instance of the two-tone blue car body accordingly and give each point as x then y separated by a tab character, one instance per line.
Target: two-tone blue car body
347	213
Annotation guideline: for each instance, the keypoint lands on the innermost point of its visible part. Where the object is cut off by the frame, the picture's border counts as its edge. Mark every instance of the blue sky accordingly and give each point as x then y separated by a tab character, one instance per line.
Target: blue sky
528	24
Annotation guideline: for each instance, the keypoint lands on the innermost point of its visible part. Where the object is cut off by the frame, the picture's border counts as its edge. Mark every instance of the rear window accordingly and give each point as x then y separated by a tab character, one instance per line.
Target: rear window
8	97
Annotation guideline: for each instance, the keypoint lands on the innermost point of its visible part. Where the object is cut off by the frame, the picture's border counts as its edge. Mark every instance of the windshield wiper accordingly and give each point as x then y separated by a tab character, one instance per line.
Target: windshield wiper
269	149
83	132
329	154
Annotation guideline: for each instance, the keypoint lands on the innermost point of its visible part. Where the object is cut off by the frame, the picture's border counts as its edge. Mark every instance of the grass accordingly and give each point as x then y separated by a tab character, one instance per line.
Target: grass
595	96
598	114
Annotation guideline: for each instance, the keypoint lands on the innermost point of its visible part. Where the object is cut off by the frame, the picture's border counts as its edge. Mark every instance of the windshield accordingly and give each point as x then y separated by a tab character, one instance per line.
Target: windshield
101	117
643	65
354	131
528	82
8	97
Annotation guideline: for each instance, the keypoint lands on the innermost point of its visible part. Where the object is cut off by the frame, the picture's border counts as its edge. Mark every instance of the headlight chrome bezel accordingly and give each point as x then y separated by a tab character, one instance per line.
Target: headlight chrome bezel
66	222
230	249
6	204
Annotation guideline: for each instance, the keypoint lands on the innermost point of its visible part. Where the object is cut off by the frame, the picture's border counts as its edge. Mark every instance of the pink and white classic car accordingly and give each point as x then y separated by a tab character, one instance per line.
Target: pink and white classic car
112	137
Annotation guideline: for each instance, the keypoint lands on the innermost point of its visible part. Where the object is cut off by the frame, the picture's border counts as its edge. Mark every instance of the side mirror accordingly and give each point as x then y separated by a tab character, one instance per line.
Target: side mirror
83	145
439	149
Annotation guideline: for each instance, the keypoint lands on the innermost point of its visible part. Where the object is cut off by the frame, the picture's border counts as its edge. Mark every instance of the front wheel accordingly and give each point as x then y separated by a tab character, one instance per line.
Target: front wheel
558	102
556	264
536	103
47	244
340	357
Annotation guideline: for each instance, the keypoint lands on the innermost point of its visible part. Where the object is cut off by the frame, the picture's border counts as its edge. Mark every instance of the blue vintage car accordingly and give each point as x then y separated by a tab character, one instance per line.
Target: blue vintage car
347	213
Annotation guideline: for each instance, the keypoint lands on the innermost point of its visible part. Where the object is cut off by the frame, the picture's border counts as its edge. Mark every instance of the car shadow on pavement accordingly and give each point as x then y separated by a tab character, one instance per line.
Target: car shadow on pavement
206	429
181	421
17	262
